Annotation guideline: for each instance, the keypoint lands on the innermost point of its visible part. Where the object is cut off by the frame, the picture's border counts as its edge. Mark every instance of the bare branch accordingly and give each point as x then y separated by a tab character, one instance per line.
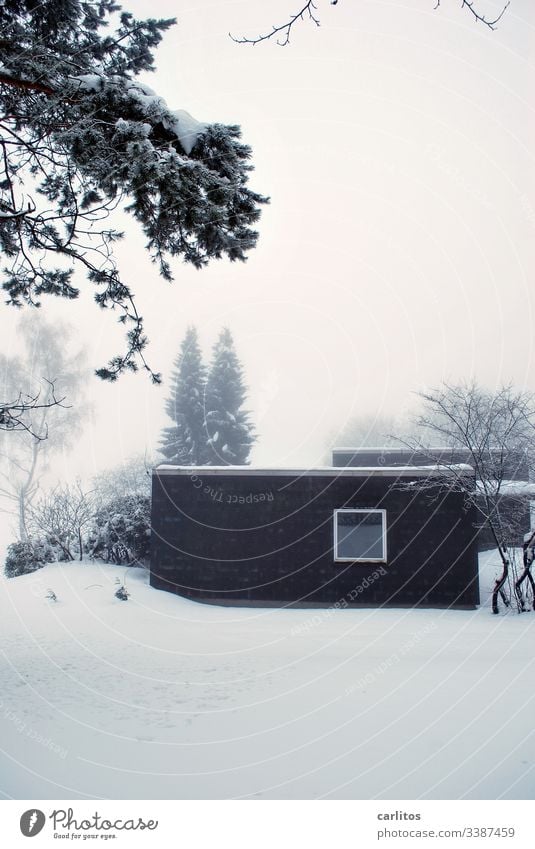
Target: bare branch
471	6
62	515
282	32
13	413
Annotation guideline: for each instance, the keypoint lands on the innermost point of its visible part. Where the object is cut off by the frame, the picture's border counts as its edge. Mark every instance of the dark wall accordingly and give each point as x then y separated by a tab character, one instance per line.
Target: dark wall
516	515
244	538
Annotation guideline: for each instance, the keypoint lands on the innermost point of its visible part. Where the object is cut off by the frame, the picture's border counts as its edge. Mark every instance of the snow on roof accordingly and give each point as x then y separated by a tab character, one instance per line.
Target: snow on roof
400	449
408	448
521	489
327	471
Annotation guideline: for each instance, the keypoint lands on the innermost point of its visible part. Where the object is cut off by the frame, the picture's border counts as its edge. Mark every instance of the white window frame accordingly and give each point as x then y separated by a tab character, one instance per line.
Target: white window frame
338	559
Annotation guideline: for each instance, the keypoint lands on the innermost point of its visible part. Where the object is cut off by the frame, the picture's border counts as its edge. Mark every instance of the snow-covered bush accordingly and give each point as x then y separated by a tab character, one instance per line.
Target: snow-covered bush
121	592
120	532
28	556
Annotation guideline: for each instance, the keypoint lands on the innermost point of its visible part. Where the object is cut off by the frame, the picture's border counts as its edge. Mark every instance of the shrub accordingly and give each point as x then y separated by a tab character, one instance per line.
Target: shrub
28	556
122	593
121	530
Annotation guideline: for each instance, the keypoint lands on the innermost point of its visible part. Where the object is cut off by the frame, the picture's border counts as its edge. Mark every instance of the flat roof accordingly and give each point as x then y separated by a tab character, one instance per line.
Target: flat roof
410	449
385	448
327	471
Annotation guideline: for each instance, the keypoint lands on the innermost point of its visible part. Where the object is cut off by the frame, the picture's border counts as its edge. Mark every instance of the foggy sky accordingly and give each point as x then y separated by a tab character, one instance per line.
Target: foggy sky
396	144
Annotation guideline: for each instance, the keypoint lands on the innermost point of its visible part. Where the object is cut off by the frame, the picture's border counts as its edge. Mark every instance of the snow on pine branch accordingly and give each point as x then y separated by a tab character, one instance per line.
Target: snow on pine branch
179	122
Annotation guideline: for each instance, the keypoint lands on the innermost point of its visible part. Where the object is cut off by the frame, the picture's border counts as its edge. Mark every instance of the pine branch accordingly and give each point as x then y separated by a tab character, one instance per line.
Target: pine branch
80	129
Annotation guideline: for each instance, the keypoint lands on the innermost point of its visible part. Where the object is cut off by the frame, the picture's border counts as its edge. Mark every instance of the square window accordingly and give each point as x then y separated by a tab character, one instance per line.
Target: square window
360	535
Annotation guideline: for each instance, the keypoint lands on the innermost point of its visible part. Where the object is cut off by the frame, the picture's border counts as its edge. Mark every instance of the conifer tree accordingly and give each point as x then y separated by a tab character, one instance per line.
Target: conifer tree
183	443
80	136
230	434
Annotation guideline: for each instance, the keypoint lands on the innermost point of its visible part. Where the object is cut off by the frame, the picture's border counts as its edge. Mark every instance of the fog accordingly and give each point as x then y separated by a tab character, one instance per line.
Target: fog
396	143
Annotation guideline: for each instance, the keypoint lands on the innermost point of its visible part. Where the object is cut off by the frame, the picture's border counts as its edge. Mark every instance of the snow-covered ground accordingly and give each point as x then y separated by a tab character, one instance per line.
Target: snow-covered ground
159	697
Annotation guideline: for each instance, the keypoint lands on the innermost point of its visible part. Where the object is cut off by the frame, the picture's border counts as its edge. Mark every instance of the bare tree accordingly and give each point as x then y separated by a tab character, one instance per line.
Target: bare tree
61	516
46	360
496	431
131	477
309	12
528	556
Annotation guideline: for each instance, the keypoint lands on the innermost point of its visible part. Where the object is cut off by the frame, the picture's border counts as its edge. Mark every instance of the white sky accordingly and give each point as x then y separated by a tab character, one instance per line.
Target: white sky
396	143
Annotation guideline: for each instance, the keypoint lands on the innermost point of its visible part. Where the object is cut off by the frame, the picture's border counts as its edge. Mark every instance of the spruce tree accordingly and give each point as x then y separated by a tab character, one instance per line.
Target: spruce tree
183	443
230	434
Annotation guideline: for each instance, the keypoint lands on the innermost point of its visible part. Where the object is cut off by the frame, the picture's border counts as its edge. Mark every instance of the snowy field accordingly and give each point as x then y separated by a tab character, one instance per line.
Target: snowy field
159	697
